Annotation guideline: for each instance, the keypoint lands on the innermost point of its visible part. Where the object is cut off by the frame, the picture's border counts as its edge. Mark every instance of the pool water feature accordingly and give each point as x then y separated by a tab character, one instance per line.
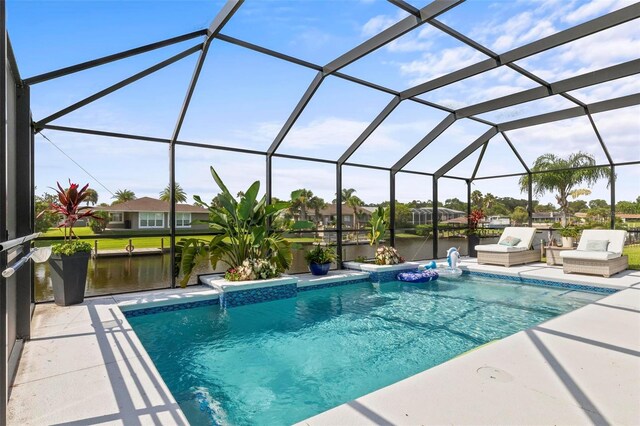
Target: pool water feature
283	361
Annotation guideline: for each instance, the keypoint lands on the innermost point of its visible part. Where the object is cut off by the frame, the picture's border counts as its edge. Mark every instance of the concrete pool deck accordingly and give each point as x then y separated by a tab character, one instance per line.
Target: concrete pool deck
85	365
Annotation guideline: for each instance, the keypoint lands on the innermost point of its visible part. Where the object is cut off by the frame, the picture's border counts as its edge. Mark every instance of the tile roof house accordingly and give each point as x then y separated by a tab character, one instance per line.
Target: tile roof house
148	213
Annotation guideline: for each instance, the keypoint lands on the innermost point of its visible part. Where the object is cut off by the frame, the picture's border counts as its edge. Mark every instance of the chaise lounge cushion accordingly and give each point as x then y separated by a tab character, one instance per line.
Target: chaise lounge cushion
523	233
588	255
498	248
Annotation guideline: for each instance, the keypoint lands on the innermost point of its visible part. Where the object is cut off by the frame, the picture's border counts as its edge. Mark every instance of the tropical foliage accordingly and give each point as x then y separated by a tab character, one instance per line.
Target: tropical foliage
181	195
99	225
320	255
45	217
67	204
378	225
123	195
577	169
242	233
387	256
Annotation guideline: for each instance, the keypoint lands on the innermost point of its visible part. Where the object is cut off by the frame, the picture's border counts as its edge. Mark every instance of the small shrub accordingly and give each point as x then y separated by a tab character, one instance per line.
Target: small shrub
320	255
99	222
388	256
70	248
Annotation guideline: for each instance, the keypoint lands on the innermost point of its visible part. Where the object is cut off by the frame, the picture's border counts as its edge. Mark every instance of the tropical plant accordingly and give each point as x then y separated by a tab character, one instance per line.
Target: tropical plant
378	226
67	204
350	199
92	197
181	196
320	255
474	219
306	201
123	195
99	225
45	217
577	169
387	256
567	232
519	215
242	233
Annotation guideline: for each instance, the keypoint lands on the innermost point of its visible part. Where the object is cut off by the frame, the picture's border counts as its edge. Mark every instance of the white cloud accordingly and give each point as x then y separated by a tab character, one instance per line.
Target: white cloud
381	22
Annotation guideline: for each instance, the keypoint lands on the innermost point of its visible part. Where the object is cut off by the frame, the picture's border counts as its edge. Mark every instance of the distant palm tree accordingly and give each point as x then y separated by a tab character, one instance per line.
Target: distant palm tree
123	195
578	169
353	201
181	196
92	197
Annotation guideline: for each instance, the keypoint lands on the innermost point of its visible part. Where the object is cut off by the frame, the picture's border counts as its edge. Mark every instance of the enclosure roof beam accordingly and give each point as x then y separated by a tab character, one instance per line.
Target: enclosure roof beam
220	20
515	151
430	137
608	105
406	7
602	144
111	58
339	74
388	35
297	111
584	80
117	86
470	149
370	129
480	157
609	20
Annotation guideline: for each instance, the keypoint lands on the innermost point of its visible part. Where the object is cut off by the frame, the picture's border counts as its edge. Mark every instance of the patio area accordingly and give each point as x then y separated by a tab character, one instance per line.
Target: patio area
575	369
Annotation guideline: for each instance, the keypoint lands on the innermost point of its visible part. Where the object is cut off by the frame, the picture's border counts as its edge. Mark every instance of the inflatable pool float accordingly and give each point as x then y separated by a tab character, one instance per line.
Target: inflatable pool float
418	277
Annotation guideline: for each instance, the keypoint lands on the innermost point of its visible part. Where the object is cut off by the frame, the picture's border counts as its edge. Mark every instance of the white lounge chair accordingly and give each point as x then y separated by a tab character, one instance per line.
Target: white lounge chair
599	253
506	255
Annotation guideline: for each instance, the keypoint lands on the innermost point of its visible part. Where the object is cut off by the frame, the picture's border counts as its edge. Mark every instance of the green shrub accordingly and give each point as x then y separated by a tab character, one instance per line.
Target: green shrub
99	222
320	255
71	248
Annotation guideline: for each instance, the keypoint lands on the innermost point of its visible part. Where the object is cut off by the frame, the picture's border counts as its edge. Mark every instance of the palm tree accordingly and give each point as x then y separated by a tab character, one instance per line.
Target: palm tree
564	182
181	196
123	195
92	196
353	201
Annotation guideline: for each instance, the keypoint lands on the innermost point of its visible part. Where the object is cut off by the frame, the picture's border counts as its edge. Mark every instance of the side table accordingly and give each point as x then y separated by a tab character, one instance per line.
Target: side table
553	254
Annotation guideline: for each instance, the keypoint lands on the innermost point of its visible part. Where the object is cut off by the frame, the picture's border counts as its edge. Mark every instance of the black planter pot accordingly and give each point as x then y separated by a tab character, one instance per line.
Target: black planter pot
69	277
319	269
473	241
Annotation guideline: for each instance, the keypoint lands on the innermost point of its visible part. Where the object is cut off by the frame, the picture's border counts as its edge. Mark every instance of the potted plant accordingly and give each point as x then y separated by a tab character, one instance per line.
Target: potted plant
568	235
378	226
70	259
244	240
473	239
319	259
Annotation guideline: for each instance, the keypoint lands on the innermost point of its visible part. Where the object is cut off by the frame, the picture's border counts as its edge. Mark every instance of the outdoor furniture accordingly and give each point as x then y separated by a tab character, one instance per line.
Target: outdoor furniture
553	254
506	255
594	256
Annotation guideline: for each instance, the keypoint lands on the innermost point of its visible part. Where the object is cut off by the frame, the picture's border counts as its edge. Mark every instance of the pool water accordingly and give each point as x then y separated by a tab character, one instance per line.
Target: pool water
283	361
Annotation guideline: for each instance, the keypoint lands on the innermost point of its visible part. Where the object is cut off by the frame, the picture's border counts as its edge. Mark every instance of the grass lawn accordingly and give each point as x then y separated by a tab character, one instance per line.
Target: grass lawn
138	242
634	256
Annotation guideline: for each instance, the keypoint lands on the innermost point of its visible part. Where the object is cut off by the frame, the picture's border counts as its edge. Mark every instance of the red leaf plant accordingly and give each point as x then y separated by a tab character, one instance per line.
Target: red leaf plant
68	205
474	218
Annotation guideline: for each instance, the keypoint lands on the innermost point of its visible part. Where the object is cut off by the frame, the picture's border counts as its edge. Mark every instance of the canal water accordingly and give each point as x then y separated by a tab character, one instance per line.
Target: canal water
109	275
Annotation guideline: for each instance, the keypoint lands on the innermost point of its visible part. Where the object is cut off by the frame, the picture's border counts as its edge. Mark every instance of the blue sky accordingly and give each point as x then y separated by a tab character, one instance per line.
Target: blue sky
243	97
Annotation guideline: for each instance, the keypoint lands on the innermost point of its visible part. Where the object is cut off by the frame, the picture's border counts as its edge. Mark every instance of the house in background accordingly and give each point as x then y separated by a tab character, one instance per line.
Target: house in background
424	215
349	216
148	213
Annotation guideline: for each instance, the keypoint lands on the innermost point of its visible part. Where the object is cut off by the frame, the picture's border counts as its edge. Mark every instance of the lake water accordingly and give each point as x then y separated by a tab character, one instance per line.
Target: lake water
110	275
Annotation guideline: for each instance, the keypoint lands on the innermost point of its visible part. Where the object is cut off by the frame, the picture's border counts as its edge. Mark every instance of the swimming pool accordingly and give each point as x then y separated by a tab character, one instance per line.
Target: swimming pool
283	361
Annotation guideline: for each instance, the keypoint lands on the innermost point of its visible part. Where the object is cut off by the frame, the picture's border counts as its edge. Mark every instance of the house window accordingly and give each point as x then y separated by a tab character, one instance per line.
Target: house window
151	220
116	217
183	220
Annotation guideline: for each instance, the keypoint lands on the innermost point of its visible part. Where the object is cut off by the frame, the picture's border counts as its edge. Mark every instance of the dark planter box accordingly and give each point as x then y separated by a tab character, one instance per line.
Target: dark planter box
473	241
319	269
69	277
